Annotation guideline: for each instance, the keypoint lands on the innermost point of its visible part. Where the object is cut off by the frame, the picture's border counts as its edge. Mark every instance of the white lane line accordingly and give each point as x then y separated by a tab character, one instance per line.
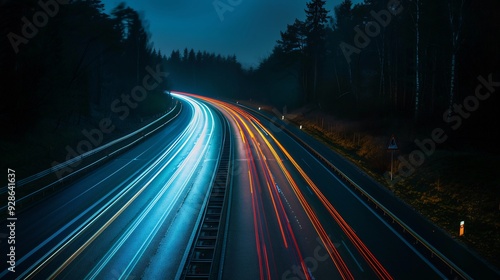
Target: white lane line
260	127
96	214
306	163
424	259
97	269
350	253
309	189
418	254
201	146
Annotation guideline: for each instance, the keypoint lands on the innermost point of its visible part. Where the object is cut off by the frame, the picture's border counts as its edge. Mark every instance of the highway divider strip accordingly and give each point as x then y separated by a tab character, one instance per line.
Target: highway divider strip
204	259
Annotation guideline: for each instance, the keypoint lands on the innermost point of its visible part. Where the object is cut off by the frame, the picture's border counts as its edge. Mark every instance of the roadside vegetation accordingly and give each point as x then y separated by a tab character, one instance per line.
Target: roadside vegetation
449	187
356	74
78	68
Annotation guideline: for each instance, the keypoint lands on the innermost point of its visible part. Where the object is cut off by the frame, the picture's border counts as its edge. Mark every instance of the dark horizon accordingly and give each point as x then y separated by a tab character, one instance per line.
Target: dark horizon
249	31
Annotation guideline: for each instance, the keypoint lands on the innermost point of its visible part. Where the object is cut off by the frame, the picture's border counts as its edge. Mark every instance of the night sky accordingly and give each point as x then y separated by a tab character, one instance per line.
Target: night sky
249	31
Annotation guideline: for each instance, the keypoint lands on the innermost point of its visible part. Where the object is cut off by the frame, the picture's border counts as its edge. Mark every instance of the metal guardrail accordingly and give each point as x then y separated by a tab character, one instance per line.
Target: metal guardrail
206	250
43	174
434	252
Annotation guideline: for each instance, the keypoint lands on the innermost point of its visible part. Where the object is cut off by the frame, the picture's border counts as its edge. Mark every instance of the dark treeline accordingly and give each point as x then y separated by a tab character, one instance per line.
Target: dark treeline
206	73
411	59
67	63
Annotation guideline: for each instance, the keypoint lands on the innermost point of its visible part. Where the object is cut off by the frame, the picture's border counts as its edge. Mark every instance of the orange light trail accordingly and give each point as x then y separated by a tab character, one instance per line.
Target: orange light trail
237	114
275	199
376	266
331	249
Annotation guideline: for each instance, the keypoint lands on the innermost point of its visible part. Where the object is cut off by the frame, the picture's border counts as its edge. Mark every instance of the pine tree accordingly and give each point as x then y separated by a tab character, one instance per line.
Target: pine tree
315	30
293	39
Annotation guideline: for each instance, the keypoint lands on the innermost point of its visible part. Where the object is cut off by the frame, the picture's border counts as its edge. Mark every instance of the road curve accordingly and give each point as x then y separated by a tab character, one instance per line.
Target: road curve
293	218
132	217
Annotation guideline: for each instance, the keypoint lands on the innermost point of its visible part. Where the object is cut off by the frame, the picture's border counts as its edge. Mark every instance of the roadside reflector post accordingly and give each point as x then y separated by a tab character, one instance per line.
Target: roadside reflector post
392	161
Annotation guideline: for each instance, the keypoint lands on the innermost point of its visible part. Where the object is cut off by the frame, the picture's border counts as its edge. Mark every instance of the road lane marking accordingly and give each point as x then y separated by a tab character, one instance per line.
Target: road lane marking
350	253
40	263
425	260
124	237
306	163
309	189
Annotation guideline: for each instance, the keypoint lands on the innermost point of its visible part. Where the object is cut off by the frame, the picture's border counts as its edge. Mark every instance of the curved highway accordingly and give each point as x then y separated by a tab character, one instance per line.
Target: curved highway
294	218
131	218
291	214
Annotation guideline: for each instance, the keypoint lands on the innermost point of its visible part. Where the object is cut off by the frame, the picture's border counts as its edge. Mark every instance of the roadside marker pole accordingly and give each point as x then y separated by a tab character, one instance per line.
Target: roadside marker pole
392	147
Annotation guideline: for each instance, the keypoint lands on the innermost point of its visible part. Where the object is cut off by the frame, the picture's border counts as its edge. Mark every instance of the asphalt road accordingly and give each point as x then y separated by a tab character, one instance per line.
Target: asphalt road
290	217
471	265
131	218
293	218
